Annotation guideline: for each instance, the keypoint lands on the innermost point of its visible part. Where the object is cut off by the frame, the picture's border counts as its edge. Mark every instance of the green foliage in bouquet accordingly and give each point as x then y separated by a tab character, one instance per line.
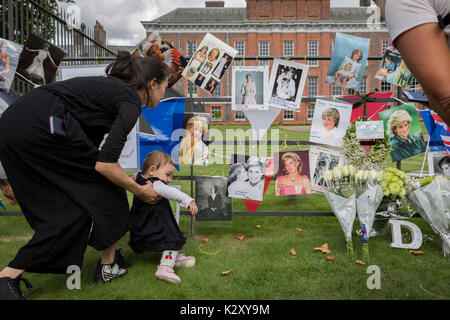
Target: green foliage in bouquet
356	155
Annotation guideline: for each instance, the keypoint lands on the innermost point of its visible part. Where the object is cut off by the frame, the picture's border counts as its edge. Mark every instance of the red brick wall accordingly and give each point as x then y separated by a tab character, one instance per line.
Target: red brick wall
319	10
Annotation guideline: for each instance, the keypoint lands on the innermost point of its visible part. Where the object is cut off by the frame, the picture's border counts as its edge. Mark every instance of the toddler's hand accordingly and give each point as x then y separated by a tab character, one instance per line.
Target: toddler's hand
193	208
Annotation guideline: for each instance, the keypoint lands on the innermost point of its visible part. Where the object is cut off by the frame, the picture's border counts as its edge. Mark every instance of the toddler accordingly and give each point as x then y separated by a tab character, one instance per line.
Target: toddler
153	227
344	74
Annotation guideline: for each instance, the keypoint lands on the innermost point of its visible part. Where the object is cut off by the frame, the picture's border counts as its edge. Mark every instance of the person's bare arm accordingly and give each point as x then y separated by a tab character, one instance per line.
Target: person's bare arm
426	53
114	173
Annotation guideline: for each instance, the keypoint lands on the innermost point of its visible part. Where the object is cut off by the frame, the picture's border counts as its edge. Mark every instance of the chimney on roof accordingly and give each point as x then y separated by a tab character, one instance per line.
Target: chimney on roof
364	3
214	4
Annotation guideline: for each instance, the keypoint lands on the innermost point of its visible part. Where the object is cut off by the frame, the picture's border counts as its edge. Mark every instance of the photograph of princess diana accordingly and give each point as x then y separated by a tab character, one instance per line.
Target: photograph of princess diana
293	176
403	127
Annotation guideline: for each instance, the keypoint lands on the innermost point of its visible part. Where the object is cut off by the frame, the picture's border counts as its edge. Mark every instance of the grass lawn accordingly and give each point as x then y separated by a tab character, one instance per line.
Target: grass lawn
262	267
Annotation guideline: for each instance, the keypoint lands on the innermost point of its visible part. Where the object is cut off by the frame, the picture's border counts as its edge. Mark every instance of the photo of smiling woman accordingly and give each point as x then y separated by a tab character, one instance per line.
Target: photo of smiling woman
402	125
293	174
403	144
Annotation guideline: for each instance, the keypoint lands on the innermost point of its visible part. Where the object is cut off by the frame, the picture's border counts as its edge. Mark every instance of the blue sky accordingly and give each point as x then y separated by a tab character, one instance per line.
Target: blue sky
121	19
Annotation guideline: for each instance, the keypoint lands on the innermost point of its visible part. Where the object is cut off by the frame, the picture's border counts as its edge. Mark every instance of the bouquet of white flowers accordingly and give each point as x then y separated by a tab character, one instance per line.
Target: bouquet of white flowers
431	197
341	197
368	197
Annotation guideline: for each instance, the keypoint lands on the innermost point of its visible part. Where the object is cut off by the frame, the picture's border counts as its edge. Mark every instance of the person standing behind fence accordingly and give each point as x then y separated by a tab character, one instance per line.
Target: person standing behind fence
65	185
153	227
424	22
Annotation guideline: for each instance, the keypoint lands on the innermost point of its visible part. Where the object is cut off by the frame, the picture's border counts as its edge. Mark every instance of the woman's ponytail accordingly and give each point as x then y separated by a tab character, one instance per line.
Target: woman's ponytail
135	72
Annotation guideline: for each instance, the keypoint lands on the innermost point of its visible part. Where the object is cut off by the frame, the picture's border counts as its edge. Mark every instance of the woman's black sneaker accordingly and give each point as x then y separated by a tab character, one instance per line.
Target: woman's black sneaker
10	288
108	272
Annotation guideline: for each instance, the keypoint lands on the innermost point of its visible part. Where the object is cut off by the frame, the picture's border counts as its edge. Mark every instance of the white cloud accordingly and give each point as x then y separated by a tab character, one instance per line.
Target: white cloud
122	19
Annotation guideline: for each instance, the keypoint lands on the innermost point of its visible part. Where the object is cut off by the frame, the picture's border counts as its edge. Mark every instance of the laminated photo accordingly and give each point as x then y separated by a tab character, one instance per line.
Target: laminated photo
39	61
330	122
248	88
286	84
6	99
211	60
405	134
193	148
439	163
154	46
246	180
404	78
369	129
293	174
348	62
212	201
9	59
389	65
321	160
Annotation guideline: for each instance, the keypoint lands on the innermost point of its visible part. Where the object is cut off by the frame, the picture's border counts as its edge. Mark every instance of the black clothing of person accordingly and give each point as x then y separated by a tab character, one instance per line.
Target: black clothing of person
153	227
53	176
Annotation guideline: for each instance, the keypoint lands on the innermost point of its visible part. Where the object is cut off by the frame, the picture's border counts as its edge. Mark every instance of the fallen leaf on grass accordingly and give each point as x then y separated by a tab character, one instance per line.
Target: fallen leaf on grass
239	236
258	226
360	262
226	272
298	229
330	258
205	239
416	252
293	252
323	248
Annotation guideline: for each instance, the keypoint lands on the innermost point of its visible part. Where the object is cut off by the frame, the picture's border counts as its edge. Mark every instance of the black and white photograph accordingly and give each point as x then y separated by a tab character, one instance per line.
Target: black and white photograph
246	180
39	61
212	201
9	59
249	87
321	160
439	163
287	82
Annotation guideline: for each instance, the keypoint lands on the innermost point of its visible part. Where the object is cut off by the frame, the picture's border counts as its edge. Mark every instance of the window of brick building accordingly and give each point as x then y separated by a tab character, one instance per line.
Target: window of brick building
384	45
240	47
313	50
313	86
217	91
191	47
239	115
385	86
310	113
336	90
214	113
288	115
264	48
192	88
288	48
363	87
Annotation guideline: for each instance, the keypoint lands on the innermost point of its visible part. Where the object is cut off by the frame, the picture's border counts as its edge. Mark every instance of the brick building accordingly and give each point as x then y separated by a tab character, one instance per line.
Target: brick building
280	28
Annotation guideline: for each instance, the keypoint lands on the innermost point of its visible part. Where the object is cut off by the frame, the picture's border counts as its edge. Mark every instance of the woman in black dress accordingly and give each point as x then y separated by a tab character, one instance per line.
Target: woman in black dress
71	193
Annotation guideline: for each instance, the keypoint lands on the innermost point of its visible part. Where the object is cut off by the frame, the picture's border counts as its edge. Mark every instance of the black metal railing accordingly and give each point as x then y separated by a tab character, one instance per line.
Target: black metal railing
20	18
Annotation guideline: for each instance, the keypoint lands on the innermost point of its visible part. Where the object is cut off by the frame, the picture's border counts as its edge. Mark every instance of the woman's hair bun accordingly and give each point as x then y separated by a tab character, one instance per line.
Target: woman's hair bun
123	54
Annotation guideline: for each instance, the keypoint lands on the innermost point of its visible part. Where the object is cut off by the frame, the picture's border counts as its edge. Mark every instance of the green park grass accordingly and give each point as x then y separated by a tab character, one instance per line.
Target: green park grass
262	267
